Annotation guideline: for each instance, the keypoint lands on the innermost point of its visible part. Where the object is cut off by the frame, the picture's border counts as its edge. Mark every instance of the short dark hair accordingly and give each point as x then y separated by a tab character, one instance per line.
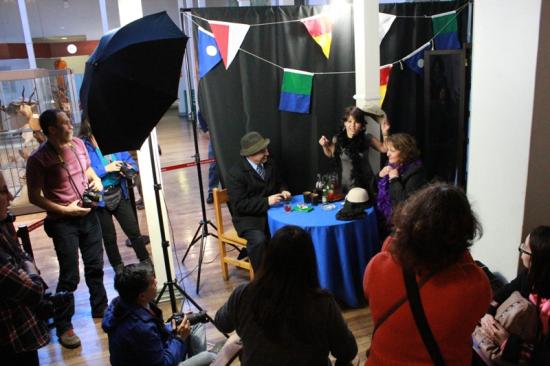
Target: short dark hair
131	282
406	145
357	114
47	119
539	271
434	227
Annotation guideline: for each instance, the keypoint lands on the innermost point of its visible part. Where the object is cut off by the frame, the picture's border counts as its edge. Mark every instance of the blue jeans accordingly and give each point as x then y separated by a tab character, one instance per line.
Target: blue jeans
213	177
69	235
196	345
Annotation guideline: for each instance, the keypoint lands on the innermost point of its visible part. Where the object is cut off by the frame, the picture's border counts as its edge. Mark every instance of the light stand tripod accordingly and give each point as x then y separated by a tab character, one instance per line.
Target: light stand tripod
202	230
169	284
202	233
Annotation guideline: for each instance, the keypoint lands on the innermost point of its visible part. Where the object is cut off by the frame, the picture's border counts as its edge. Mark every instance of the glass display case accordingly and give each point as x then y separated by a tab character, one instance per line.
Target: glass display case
24	94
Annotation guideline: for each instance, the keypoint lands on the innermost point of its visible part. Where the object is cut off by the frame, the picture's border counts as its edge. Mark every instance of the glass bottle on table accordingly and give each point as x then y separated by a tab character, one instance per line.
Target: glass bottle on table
325	194
319	185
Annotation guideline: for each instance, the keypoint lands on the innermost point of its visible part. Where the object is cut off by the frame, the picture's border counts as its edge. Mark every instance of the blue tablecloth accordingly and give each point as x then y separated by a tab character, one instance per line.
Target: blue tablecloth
343	248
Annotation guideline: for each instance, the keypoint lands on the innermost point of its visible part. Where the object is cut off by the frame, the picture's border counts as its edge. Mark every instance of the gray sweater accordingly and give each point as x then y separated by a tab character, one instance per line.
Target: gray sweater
329	332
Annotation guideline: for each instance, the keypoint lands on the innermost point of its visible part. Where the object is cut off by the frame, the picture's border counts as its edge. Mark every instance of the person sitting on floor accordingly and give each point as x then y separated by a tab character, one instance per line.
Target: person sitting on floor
283	316
136	330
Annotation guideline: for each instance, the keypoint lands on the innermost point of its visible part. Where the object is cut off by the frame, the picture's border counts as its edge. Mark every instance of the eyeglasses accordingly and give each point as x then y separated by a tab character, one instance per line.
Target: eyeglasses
523	250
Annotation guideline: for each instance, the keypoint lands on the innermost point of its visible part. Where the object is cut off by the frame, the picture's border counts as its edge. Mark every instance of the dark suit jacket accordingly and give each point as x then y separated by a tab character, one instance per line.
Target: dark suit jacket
248	194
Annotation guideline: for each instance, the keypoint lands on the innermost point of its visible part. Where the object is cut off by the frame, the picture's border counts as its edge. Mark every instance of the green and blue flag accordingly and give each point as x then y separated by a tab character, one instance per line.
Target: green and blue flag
296	91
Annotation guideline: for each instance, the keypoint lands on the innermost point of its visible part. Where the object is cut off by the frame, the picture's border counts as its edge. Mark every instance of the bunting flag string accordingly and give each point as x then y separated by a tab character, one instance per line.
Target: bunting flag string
299	20
297	84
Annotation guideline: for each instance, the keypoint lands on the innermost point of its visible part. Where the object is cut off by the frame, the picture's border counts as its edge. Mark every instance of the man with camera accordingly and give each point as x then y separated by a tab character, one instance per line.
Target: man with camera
137	333
61	181
253	186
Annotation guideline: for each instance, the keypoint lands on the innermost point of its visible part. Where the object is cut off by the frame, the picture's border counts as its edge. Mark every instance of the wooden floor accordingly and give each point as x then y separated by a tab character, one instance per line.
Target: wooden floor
181	186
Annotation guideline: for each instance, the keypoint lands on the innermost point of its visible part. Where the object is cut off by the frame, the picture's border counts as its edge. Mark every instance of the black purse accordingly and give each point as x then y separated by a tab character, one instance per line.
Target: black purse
112	196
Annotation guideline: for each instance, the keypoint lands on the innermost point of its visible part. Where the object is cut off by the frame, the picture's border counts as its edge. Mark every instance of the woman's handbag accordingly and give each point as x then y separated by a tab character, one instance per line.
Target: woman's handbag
112	196
519	317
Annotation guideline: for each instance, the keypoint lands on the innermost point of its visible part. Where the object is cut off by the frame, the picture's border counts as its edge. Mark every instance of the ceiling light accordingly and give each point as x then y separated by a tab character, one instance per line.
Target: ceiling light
72	48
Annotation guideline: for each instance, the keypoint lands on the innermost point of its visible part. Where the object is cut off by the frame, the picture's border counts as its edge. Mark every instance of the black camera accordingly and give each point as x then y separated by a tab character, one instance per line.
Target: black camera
54	305
90	198
194	318
127	172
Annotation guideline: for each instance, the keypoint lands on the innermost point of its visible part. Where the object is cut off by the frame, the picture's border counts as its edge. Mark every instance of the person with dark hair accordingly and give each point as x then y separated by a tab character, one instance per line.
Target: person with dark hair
22	333
283	317
435	228
61	180
116	200
136	330
533	283
254	184
403	175
351	146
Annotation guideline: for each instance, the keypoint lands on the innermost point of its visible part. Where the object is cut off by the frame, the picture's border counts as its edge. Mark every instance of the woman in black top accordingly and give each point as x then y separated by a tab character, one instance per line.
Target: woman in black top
351	146
283	317
534	284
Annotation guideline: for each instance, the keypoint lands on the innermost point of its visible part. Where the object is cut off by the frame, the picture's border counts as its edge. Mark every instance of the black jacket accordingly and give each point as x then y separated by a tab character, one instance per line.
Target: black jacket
248	194
403	186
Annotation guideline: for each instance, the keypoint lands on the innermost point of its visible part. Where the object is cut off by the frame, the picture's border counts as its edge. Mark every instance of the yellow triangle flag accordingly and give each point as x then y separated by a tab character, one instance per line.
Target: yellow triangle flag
319	28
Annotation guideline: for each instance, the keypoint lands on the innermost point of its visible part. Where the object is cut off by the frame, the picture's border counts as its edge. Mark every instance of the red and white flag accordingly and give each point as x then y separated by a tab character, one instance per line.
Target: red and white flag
229	37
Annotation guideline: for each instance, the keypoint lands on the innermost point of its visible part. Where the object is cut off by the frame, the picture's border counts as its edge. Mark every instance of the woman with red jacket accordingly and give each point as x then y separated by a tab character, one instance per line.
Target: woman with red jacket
434	229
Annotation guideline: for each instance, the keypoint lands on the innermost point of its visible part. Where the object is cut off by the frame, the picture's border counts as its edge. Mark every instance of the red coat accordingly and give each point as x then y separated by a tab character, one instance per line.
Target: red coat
454	301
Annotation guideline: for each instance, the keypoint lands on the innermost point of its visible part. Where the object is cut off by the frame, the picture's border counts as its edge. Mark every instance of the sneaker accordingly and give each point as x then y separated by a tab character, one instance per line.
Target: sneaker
69	339
139	204
210	199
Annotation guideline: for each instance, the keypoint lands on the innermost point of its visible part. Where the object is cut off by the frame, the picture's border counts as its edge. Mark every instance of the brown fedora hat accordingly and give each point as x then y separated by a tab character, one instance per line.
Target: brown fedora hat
253	142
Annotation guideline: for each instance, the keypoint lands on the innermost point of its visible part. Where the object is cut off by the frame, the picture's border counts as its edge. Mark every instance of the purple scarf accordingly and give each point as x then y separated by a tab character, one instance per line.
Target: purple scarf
383	200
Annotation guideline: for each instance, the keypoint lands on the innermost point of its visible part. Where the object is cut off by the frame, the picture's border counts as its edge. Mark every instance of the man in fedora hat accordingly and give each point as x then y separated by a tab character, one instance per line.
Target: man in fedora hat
253	186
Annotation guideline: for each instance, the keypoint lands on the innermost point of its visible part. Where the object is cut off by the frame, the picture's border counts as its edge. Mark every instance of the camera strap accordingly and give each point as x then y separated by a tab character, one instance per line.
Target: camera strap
64	166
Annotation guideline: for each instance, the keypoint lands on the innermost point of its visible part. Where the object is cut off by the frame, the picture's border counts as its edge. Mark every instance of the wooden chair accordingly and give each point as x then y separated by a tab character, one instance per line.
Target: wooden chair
228	237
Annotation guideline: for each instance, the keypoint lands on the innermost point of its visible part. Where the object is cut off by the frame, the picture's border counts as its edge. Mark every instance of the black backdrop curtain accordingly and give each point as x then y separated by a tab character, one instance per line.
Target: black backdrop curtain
245	97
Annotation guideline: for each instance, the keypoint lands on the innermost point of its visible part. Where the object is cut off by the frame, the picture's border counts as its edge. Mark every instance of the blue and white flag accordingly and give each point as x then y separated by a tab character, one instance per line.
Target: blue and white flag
415	60
207	49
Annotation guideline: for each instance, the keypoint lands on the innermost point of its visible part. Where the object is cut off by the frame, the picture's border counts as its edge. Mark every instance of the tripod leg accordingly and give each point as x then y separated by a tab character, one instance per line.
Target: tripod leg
159	296
201	257
195	237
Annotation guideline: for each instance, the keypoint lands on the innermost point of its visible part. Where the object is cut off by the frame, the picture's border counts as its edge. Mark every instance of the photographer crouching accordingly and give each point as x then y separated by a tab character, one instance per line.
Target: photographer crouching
136	330
22	332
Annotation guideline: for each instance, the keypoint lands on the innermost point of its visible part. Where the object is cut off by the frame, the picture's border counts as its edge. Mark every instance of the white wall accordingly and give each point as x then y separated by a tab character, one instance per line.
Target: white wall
505	44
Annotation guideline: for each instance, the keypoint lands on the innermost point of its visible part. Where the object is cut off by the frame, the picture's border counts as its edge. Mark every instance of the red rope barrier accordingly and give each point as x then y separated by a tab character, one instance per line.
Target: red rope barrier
35	225
186	165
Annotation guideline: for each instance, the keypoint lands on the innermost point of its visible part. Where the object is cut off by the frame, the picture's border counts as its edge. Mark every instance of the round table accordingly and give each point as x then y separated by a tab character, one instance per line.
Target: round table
343	248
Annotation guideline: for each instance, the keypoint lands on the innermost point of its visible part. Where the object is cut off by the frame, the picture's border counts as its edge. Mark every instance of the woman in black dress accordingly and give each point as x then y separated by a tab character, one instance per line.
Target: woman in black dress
351	145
